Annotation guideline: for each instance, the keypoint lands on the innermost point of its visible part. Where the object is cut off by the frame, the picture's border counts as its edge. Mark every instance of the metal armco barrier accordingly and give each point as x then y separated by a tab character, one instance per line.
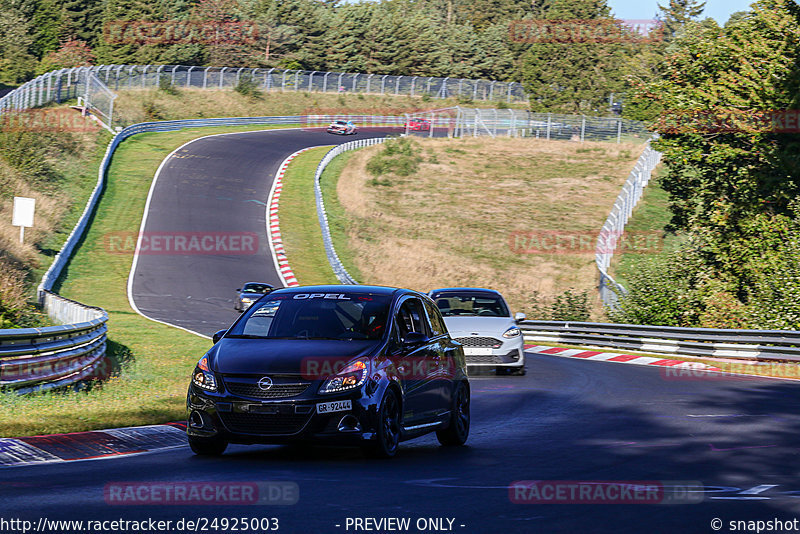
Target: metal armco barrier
35	359
767	345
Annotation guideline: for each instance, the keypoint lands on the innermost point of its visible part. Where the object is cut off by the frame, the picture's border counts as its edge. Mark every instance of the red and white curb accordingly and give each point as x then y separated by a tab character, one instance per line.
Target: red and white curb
92	445
274	228
617	358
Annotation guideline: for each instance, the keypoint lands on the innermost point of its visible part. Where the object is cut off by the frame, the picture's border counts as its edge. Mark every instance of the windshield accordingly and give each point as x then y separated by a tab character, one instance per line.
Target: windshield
256	288
344	316
451	305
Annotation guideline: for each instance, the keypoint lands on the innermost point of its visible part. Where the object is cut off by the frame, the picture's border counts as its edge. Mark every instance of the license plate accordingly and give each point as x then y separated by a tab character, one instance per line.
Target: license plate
261	408
334	406
477	351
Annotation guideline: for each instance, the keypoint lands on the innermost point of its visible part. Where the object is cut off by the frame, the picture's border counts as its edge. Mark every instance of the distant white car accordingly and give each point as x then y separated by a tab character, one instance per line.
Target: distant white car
480	320
342	128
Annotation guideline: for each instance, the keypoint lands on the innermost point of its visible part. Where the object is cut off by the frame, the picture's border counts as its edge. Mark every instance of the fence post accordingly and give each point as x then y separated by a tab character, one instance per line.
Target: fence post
619	131
222	76
268	79
549	122
583	127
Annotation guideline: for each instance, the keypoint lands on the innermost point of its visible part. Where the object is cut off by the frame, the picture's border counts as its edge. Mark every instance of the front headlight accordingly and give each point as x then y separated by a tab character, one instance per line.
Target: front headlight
512	332
248	300
202	376
351	377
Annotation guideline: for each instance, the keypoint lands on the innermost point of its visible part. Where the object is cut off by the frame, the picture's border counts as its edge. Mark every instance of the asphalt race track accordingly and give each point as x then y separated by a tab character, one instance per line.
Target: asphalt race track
737	441
566	420
216	187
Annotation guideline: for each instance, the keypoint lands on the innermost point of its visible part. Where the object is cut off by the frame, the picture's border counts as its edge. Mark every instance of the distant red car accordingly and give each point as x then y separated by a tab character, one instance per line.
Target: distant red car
418	125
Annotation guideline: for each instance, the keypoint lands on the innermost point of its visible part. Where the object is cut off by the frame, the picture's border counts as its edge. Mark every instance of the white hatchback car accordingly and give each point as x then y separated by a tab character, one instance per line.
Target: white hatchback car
480	320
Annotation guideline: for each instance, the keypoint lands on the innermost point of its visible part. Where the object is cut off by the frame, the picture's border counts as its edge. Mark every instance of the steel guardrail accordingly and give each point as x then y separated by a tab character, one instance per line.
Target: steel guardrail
35	359
765	345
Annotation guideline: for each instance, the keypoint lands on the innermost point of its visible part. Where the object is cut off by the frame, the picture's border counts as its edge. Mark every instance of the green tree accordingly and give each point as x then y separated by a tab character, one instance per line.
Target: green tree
677	14
579	74
17	63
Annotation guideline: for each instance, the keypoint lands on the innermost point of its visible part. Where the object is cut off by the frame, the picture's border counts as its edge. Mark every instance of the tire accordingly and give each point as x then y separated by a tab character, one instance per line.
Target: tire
207	446
388	433
518	371
457	432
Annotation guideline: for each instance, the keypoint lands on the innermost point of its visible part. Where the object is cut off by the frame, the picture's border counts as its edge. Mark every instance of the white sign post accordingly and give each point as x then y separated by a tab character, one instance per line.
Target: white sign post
23	214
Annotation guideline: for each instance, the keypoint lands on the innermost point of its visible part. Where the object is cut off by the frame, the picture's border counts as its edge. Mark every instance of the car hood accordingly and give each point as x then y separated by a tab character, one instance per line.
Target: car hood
284	356
484	326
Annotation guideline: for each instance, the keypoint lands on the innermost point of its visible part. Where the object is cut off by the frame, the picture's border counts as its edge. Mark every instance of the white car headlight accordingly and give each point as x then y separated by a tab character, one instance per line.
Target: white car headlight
512	332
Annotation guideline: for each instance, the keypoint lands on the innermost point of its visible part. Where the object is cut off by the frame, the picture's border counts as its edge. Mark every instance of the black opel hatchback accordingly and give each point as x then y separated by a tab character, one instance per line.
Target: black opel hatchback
358	365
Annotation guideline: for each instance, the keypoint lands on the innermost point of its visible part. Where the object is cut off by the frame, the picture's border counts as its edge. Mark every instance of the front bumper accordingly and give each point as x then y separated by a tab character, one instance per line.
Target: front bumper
242	420
493	351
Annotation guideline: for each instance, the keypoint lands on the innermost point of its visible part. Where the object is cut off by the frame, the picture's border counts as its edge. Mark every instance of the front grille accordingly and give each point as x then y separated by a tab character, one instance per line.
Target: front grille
489	358
486	342
277	391
256	423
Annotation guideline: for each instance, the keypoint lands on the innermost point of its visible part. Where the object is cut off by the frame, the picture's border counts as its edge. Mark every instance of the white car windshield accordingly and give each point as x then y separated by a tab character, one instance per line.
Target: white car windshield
452	304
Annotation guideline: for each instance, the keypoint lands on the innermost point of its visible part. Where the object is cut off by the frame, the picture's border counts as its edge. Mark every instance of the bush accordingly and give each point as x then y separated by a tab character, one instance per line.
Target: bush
399	157
247	87
152	111
165	85
571	305
662	292
32	152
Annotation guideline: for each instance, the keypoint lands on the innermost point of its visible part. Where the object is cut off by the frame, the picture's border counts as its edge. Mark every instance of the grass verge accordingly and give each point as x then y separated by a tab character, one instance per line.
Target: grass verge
338	220
157	359
297	210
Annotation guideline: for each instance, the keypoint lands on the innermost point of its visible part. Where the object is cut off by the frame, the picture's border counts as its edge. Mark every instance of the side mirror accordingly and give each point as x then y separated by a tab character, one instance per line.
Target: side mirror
519	317
216	337
413	339
238	289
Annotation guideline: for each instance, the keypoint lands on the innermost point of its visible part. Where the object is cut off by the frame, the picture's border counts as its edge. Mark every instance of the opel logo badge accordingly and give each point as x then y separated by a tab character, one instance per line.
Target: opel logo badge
265	383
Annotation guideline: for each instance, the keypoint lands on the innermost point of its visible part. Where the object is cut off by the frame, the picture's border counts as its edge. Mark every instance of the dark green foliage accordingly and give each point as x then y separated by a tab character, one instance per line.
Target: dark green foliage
165	85
676	14
399	157
574	76
247	87
30	152
570	305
